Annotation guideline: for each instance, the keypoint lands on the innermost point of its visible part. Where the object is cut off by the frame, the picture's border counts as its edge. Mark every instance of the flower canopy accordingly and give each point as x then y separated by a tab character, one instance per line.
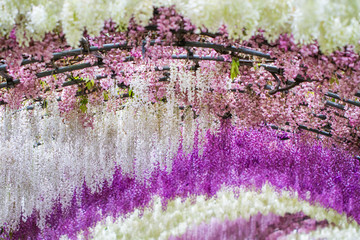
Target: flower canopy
179	119
332	23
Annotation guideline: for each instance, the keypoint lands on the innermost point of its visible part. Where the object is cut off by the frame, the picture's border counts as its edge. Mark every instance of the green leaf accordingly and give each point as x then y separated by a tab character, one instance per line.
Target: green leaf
333	80
122	27
106	96
45	104
90	84
83	108
42	83
131	93
83	102
75	18
234	71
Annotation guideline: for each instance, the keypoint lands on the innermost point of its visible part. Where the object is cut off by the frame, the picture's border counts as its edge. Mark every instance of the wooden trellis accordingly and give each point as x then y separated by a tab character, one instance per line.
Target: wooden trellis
86	49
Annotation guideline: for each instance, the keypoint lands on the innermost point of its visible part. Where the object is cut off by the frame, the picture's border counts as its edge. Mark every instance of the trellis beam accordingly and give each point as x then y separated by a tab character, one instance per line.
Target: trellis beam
335	105
108	47
74	52
221	48
327	134
335	96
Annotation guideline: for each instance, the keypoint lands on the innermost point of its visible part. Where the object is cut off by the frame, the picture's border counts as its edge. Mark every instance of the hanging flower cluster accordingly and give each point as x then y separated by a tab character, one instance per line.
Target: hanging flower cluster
43	159
332	23
257	82
322	183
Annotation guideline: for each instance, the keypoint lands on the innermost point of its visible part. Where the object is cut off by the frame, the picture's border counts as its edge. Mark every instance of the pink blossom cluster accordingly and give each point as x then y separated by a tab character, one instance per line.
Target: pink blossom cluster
204	84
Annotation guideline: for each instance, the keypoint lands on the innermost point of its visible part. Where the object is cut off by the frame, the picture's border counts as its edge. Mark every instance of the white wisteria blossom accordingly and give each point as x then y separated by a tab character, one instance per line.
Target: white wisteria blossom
333	23
230	203
44	158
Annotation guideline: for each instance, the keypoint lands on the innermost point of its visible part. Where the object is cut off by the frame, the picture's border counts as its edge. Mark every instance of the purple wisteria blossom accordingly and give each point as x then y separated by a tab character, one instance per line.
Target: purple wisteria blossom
230	157
269	227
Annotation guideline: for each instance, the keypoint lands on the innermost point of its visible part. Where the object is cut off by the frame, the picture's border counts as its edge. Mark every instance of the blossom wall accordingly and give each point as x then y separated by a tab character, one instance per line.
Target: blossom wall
152	119
257	81
239	174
